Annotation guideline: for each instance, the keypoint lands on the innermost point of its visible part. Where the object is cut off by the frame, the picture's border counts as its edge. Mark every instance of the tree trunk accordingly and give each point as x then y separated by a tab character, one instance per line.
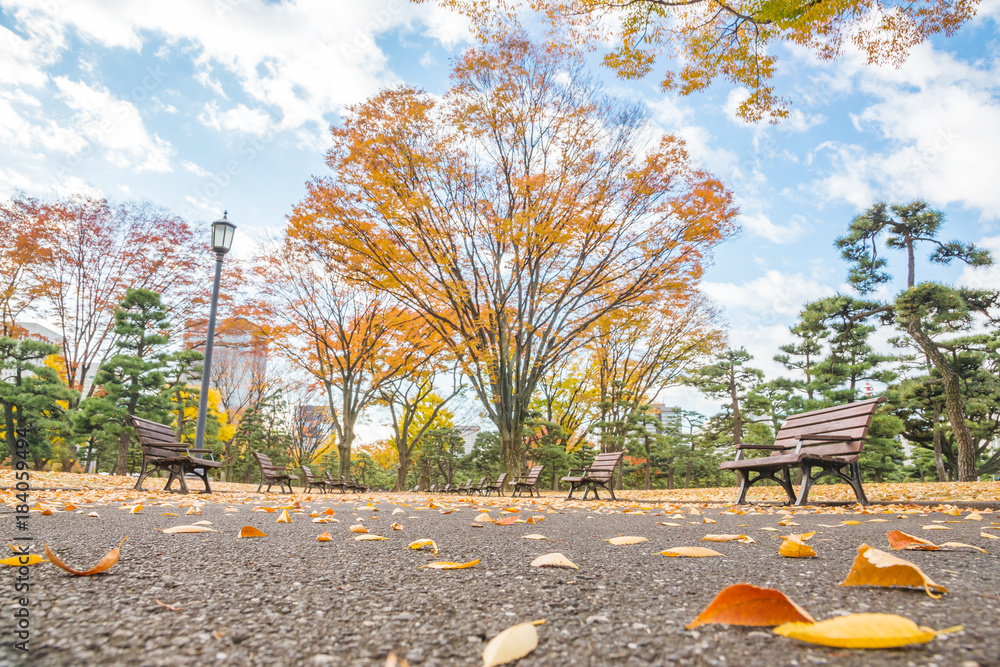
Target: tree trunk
938	455
510	451
953	402
737	417
404	468
649	480
670	476
344	447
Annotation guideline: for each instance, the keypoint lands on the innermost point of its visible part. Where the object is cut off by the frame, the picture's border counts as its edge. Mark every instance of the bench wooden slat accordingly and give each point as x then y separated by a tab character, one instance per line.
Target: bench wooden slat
600	473
161	451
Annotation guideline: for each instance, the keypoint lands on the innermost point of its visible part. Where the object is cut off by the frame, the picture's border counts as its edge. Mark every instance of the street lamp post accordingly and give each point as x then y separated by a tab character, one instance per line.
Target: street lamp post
222	241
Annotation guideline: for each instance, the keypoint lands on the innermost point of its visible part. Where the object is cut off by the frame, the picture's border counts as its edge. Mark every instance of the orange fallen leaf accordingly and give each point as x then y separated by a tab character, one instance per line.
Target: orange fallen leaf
169	514
358	528
397	526
69	508
690	552
448	565
796	549
250	531
105	563
46	512
506	521
873	567
743	604
284	518
136	509
707	520
329	511
324	537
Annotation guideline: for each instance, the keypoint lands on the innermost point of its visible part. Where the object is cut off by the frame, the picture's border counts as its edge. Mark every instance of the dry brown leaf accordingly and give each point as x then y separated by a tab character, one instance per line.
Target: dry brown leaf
873	567
449	565
690	552
324	537
420	544
554	559
188	529
358	528
746	539
861	631
743	604
250	531
512	644
105	563
626	539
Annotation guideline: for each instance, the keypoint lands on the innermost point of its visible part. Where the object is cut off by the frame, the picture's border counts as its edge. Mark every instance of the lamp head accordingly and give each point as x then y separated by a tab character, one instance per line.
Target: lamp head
222	234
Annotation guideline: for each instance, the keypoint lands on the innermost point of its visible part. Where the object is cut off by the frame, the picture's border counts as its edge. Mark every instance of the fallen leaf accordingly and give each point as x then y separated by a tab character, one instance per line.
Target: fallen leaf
420	544
105	563
170	514
512	644
506	521
787	522
202	523
768	528
329	511
626	539
796	549
397	526
850	523
675	525
28	559
284	518
94	514
554	559
448	565
358	528
193	510
484	517
250	531
69	508
988	536
399	510
707	520
873	567
324	537
535	536
136	509
363	538
168	606
189	529
746	539
975	516
861	631
690	552
743	604
935	527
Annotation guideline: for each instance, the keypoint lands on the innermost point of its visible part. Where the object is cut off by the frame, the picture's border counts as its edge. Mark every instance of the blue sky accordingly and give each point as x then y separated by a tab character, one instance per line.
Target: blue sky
208	105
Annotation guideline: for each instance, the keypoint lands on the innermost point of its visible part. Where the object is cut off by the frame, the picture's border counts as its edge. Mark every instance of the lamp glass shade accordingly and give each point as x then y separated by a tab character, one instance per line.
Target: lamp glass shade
222	235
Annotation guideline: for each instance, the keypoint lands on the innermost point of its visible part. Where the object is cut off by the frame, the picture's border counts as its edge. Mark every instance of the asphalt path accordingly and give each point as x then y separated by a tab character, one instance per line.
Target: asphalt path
288	599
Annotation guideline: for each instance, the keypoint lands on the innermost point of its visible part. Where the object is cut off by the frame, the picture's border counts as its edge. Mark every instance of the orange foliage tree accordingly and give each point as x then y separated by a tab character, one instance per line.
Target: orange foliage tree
96	251
732	39
512	214
347	340
25	244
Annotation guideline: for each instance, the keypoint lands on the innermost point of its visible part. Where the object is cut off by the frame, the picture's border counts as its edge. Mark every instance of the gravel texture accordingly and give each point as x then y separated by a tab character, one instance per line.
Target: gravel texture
288	599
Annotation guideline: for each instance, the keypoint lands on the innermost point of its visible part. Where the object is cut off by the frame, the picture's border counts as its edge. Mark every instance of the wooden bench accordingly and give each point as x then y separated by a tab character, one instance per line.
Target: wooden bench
332	484
478	488
271	473
528	483
600	473
495	486
314	481
829	439
161	451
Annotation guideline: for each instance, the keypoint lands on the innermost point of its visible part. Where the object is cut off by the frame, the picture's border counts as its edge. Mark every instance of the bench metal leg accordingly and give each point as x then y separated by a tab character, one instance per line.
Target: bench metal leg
835	469
142	475
204	478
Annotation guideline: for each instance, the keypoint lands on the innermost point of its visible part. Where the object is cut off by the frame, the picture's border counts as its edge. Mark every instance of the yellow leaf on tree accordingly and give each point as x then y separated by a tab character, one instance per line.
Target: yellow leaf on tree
860	631
554	559
512	644
873	567
627	539
250	531
448	565
690	552
23	559
105	563
743	604
284	517
420	544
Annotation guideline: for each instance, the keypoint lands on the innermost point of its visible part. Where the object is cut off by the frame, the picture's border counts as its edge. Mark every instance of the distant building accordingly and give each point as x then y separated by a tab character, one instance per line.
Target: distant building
667	416
42	332
468	433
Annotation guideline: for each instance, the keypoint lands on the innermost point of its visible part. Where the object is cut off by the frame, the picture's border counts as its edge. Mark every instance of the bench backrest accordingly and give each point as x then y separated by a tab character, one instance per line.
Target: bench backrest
535	473
604	465
850	421
264	461
152	434
500	480
311	476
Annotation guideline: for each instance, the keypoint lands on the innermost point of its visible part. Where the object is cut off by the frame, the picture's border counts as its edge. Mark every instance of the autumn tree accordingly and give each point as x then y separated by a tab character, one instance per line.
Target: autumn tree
734	40
98	250
927	311
342	337
512	213
732	380
25	245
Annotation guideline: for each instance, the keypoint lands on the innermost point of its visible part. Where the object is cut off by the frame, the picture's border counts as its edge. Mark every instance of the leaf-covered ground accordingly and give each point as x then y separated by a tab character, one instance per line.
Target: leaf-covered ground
188	589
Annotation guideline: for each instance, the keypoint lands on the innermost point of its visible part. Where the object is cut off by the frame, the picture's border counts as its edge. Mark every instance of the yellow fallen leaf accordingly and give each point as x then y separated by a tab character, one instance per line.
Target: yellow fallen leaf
358	528
626	539
743	604
935	527
483	518
23	559
106	563
397	526
284	518
850	523
363	538
535	536
324	537
169	514
768	528
690	552
193	510
787	522
202	523
860	631
801	537
988	536
746	539
313	515
250	531
975	516
188	529
511	509
707	520
873	567
136	509
512	644
420	544
448	565
554	559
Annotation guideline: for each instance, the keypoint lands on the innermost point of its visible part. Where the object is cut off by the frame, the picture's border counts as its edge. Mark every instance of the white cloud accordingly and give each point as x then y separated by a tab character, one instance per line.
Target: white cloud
115	126
240	118
195	169
986	277
761	225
